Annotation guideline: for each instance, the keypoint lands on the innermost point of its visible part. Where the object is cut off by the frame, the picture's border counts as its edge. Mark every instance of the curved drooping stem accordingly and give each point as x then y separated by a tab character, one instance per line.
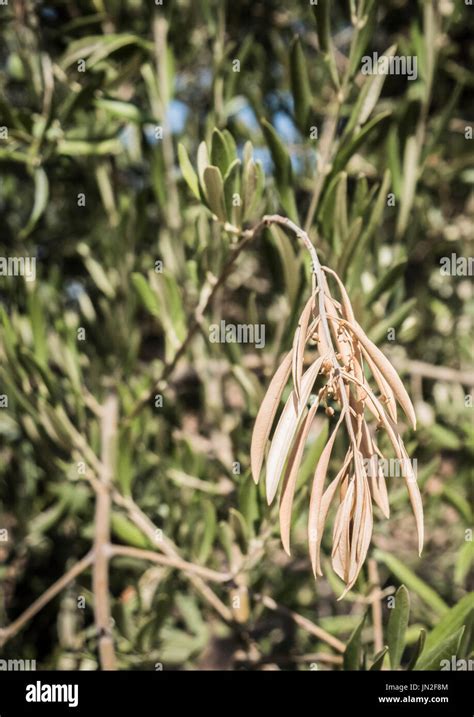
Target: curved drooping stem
318	273
343	346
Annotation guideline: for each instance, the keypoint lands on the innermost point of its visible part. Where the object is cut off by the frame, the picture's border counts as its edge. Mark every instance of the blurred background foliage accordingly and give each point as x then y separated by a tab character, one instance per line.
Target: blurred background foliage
103	107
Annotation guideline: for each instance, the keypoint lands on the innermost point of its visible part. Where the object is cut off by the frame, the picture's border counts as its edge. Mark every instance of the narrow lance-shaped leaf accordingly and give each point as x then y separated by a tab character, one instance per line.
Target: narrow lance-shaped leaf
362	523
433	659
98	47
220	156
418	650
286	429
146	294
368	96
352	655
323	27
322	10
281	159
414	583
214	189
326	500
122	110
283	170
387	280
126	531
231	188
291	475
374	405
83	148
266	414
454	619
464	562
363	35
316	493
397	625
410	179
384	387
350	147
300	87
210	530
249	184
299	343
393	320
188	171
202	162
100	277
387	370
379	660
231	145
40	201
355	248
341	561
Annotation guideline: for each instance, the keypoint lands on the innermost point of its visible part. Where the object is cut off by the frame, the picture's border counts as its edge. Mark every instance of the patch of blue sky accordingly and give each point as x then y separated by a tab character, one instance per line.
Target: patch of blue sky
177	116
290	137
285	128
74	289
247	117
126	136
262	154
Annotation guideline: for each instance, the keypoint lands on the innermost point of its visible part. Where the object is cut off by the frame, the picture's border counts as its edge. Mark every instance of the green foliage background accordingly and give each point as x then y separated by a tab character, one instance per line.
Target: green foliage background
91	188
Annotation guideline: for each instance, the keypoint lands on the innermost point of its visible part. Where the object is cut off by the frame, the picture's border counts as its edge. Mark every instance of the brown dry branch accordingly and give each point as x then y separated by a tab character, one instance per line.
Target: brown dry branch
7	633
195	573
376	602
344	354
438	373
323	657
100	571
143	522
303	622
140	554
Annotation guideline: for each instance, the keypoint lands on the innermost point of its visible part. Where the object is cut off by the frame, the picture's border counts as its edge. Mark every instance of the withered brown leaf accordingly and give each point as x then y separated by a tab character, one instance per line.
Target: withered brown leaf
344	353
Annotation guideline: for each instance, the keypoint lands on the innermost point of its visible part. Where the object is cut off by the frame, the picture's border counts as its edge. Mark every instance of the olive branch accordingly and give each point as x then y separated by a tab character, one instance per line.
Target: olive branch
343	352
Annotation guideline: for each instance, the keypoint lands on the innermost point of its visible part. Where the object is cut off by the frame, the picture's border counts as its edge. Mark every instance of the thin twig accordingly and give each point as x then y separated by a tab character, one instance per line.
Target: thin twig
166	546
375	595
437	373
6	633
191	571
304	623
178	563
100	574
376	605
91	402
322	657
223	487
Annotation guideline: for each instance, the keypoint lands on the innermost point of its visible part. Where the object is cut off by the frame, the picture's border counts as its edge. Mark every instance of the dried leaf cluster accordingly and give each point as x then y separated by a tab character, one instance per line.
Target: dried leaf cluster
344	355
